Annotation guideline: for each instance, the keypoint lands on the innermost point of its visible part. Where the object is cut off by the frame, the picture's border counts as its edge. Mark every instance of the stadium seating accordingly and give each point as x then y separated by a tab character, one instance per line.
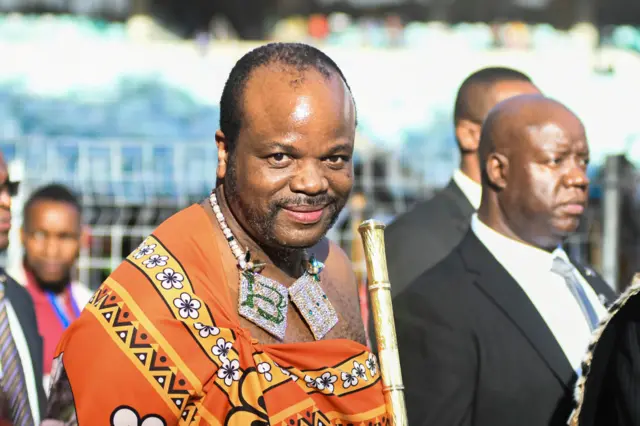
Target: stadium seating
134	121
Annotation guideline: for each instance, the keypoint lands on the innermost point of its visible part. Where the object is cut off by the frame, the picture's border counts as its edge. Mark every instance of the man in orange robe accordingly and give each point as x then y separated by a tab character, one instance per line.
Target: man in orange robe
238	311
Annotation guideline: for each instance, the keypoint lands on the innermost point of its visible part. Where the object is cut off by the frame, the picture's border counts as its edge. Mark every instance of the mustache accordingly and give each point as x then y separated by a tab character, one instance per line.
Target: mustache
318	200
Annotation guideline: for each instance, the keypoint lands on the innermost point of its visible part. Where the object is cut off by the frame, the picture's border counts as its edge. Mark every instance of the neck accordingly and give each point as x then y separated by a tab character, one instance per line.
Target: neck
470	166
288	260
491	214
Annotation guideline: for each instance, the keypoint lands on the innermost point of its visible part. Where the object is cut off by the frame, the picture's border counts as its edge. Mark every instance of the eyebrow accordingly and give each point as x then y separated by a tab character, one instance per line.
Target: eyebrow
286	148
291	149
339	148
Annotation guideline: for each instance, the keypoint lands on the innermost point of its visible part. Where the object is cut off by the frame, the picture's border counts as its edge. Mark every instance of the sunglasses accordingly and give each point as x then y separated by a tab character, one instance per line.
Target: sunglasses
10	186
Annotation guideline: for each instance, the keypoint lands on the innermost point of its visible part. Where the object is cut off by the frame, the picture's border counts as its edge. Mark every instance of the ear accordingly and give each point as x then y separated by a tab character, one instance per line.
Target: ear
23	235
223	154
468	136
497	169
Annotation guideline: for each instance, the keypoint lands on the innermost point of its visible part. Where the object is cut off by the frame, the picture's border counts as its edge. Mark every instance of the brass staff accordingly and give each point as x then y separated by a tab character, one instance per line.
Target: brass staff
372	233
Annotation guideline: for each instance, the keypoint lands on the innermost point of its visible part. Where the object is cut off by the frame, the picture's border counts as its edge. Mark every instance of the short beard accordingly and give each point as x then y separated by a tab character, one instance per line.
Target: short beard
55	287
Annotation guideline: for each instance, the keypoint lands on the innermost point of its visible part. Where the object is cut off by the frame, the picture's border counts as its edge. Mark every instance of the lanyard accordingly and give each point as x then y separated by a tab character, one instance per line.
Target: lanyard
60	311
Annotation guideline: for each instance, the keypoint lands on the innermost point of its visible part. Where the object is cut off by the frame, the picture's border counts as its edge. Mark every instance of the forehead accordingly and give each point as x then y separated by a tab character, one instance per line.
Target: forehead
278	100
560	130
50	212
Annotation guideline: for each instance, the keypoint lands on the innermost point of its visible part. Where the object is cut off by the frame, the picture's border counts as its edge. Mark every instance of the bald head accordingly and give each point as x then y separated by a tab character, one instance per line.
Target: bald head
534	155
512	123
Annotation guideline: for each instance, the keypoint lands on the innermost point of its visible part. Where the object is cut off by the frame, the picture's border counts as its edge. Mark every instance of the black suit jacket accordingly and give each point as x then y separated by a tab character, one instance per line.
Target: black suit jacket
420	238
23	306
475	351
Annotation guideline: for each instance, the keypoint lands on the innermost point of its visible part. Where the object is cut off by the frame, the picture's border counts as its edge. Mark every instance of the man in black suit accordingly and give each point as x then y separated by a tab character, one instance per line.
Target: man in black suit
420	238
495	333
22	398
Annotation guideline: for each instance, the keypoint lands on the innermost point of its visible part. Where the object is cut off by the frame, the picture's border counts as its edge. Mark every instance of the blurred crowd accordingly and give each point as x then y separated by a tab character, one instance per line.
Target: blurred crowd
335	29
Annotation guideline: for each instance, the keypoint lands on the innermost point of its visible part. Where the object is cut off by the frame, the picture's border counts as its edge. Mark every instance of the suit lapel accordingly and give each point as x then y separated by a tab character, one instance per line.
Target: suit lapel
22	305
509	297
23	308
461	207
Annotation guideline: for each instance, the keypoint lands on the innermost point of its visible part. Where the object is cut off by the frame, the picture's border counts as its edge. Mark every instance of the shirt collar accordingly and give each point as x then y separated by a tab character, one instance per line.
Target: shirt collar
471	189
510	251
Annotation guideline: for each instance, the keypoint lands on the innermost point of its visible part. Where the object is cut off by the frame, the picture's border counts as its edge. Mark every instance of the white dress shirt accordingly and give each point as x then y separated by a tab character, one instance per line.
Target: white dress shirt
25	358
470	188
530	267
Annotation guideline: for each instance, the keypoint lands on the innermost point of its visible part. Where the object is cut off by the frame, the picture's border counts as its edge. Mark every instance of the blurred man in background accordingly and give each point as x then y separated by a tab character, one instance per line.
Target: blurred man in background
51	236
420	238
22	396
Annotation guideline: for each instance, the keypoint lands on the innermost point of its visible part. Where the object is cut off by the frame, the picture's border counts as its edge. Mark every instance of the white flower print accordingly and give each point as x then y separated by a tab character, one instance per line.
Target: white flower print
127	416
289	374
311	382
188	306
372	365
230	372
326	381
155	260
359	371
264	368
221	349
206	330
349	380
145	250
170	279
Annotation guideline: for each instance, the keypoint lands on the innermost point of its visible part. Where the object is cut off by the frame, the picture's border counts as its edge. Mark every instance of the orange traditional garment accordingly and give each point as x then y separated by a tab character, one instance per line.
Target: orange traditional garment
160	344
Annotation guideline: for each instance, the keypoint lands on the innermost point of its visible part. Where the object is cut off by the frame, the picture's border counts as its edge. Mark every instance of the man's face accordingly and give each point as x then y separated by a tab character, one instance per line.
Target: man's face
291	172
7	190
51	241
547	189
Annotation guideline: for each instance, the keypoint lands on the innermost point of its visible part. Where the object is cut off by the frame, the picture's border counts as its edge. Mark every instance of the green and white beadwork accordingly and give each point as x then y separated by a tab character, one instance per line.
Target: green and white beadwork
265	302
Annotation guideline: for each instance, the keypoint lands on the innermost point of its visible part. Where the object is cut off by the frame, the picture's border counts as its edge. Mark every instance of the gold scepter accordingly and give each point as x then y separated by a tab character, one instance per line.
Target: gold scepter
372	233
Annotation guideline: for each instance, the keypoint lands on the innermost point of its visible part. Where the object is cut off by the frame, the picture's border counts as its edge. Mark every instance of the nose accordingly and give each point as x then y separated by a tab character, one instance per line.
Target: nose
309	179
50	248
576	176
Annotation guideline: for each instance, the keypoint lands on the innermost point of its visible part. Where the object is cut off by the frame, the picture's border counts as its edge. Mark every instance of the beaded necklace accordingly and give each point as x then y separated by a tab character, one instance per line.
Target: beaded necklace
265	302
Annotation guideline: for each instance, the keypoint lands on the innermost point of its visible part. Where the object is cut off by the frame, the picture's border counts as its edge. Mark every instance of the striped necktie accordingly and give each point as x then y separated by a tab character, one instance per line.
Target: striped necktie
567	271
13	382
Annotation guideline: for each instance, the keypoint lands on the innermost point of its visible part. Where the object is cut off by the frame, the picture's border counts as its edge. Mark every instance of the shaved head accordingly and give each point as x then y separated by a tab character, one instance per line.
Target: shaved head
510	123
534	155
480	92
